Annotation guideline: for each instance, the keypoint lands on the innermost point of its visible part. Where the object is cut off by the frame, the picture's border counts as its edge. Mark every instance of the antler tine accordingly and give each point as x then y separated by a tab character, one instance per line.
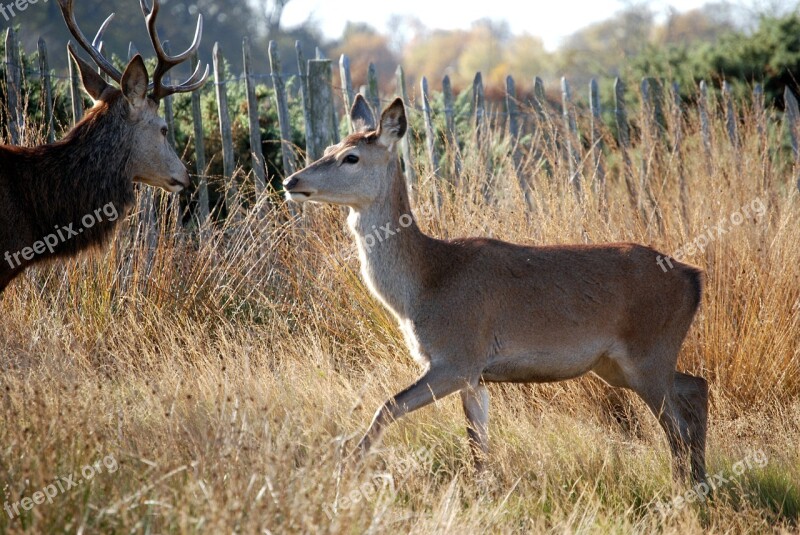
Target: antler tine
67	10
97	42
166	62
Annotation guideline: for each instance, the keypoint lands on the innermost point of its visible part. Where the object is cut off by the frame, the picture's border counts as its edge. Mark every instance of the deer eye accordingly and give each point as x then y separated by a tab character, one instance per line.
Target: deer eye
351	158
164	131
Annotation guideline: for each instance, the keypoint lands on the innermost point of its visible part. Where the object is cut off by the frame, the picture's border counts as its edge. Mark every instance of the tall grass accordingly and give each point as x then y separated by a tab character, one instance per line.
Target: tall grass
228	374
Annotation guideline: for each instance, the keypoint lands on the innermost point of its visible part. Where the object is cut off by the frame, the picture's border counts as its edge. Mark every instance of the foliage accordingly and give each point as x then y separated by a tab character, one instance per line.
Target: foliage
770	56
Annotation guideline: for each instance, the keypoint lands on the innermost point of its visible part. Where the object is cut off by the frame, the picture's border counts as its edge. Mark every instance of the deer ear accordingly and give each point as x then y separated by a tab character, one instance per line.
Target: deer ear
361	115
134	82
92	82
393	123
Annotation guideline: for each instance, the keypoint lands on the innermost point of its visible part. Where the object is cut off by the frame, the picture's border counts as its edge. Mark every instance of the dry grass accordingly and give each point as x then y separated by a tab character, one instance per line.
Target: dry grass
229	377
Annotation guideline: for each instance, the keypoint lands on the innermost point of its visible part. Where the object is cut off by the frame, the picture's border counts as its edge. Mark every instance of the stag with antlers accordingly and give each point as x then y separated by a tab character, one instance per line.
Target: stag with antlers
121	140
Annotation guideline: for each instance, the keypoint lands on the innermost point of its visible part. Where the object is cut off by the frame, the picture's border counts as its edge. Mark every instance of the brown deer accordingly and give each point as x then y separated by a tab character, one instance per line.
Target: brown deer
478	310
62	198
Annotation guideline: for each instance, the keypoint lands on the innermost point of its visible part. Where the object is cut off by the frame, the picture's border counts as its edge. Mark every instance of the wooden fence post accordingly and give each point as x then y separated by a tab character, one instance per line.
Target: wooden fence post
571	136
347	89
542	128
730	115
430	136
169	112
597	140
14	86
792	115
200	153
624	139
302	68
650	133
228	165
373	97
256	152
405	142
282	107
319	107
763	138
677	137
512	109
705	129
75	91
47	90
450	129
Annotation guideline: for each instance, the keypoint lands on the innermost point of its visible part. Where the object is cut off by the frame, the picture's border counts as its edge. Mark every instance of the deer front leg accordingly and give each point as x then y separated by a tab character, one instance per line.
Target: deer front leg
436	383
475	400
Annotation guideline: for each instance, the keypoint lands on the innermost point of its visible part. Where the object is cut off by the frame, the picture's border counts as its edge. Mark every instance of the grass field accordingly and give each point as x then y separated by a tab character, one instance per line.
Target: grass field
218	386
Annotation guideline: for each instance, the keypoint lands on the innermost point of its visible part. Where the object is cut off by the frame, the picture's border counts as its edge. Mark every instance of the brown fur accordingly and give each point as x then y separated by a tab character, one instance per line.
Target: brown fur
478	310
46	188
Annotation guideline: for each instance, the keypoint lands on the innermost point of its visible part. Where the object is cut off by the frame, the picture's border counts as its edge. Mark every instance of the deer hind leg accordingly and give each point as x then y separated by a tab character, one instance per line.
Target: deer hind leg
679	401
692	399
682	430
436	383
475	400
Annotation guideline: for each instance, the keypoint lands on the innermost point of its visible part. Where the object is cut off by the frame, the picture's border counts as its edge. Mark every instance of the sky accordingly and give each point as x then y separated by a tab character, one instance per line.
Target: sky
550	20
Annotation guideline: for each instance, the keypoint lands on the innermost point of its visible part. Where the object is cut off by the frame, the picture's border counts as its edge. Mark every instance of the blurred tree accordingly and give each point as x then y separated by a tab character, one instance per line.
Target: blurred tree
769	55
364	45
226	22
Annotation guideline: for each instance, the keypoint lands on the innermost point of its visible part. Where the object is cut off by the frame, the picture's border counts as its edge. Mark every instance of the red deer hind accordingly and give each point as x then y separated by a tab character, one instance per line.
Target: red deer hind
62	198
477	311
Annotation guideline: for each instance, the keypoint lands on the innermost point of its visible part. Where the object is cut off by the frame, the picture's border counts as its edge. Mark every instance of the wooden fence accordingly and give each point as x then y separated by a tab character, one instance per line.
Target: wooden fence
554	132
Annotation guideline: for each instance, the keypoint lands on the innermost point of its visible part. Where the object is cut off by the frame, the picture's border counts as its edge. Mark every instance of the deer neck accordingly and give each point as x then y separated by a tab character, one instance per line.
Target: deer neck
391	246
85	172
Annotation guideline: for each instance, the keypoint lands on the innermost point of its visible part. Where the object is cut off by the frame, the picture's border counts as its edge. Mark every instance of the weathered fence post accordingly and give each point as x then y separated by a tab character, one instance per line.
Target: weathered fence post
763	138
302	69
705	129
281	105
650	132
730	115
597	141
169	112
200	153
228	164
512	109
624	139
677	136
347	89
792	115
542	127
373	97
450	129
405	142
430	136
256	152
320	102
479	107
14	86
571	135
76	98
47	90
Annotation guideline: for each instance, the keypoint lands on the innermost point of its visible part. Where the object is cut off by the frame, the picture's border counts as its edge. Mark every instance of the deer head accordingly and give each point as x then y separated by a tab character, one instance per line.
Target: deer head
355	172
153	159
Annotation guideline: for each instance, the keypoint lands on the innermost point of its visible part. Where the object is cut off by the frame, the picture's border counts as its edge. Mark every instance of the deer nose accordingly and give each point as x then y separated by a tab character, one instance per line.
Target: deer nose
290	182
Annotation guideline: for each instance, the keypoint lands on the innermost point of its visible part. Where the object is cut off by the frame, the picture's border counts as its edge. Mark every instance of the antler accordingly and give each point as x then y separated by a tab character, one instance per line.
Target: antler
92	48
166	62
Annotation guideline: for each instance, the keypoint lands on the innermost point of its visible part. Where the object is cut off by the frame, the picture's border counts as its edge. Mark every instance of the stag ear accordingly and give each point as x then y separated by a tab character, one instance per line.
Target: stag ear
134	82
393	123
92	82
361	115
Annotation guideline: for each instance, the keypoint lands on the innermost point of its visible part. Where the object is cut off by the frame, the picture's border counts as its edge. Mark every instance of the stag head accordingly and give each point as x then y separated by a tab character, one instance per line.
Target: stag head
154	161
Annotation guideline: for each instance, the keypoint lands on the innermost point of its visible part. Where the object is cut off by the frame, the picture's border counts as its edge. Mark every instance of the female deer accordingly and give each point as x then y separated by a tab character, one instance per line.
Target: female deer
46	192
478	310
